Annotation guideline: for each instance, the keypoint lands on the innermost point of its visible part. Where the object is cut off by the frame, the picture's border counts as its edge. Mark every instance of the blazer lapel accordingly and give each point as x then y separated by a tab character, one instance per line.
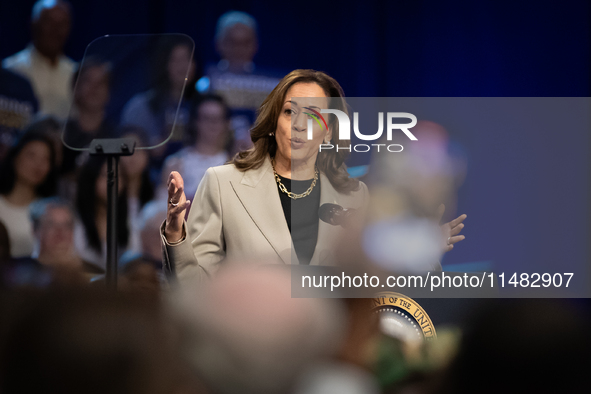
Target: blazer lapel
327	233
259	195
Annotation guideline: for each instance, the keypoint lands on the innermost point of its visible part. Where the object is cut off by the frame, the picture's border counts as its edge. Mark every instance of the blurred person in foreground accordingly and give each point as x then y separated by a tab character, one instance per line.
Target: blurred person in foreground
243	333
522	345
235	77
410	192
28	173
90	233
87	341
401	235
53	223
43	62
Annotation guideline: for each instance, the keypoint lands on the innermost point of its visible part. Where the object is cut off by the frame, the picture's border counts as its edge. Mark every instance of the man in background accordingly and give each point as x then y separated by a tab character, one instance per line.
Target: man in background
235	77
43	61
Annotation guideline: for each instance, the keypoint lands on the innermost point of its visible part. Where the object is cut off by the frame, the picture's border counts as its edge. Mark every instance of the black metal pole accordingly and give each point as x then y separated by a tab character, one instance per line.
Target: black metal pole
112	192
112	148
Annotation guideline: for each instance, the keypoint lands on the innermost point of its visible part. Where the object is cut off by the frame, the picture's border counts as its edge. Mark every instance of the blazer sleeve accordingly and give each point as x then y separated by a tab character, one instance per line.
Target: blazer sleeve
198	255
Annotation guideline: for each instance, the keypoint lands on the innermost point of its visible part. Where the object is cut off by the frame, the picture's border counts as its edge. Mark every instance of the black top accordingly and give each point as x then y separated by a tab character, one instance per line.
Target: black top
301	216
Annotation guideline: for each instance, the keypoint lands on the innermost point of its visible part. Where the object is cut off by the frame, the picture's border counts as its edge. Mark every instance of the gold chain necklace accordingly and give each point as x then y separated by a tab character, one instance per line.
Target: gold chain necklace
290	194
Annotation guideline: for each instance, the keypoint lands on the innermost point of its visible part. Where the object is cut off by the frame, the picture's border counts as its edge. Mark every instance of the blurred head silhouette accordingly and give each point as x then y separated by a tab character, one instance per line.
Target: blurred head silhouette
246	334
85	342
50	26
53	223
236	39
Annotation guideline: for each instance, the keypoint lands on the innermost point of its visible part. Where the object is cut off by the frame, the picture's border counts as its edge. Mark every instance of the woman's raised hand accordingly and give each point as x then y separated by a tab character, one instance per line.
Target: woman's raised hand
451	230
177	205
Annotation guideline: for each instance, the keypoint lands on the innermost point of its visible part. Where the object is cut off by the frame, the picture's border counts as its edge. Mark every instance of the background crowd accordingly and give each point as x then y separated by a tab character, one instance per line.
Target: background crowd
49	97
60	332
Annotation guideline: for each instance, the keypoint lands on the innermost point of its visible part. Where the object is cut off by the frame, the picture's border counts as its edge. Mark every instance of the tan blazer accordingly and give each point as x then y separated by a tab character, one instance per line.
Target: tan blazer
238	215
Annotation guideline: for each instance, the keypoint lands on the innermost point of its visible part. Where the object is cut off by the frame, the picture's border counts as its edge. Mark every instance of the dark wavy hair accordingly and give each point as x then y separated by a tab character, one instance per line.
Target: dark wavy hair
49	186
331	162
86	204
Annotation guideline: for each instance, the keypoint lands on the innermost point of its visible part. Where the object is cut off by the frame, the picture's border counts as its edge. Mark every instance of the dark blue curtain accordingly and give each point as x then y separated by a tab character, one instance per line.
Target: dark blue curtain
373	48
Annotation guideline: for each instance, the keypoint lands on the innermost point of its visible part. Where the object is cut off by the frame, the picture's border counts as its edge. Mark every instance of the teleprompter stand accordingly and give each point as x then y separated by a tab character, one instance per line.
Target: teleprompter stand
112	148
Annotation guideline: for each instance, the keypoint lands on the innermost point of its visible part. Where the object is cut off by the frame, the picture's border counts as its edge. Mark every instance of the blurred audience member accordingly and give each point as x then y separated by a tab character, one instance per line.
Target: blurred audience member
143	271
352	370
235	77
87	341
53	223
155	109
138	185
54	261
337	378
43	61
28	173
210	127
90	235
52	128
17	106
148	227
408	193
245	334
87	120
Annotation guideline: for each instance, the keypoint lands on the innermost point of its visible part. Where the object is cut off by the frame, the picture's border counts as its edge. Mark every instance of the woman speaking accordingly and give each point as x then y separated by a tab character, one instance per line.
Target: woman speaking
264	204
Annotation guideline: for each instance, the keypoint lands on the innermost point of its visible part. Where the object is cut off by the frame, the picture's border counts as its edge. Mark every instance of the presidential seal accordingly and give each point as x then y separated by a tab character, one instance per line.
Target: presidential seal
403	318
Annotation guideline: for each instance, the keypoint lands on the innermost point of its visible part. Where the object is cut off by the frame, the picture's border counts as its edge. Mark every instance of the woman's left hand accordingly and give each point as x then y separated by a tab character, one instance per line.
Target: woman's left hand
451	230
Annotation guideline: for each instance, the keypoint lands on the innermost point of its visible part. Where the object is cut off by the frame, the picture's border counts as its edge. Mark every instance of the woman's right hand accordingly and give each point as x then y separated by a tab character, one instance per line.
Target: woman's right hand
177	205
